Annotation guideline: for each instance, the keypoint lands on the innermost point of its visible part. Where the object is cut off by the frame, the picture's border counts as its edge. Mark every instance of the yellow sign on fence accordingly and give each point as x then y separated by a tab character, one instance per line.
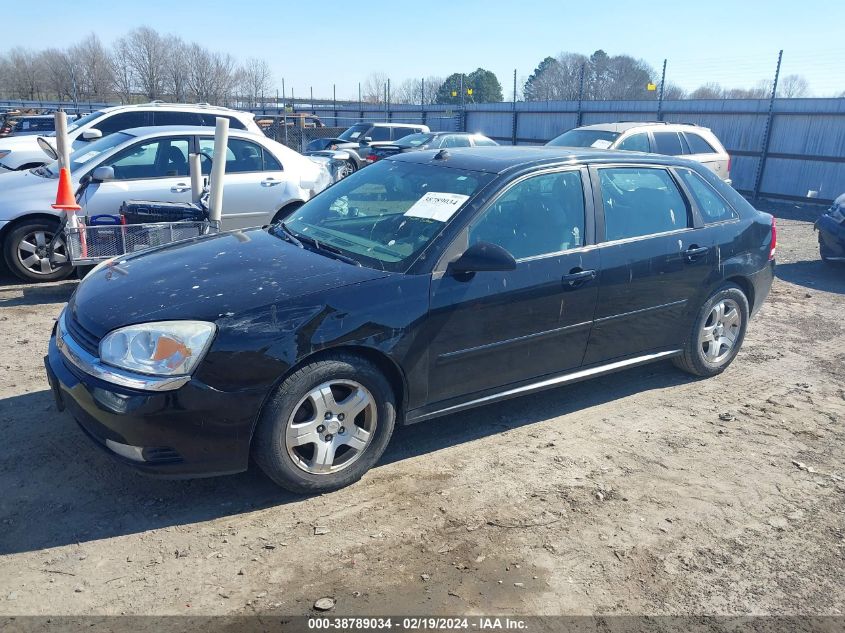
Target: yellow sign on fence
651	87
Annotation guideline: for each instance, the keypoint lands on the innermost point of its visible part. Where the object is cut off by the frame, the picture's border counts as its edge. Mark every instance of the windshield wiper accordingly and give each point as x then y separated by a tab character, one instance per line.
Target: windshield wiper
289	235
332	251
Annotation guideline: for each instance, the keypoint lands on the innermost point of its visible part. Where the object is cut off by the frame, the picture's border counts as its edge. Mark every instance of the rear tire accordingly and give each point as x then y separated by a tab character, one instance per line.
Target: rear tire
717	333
326	425
347	169
25	252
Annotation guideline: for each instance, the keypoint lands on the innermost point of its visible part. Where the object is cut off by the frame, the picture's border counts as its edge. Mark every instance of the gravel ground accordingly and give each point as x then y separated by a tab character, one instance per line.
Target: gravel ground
645	492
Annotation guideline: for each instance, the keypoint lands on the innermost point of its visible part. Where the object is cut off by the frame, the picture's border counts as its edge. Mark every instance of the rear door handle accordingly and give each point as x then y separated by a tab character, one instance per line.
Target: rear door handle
694	252
576	277
270	182
180	188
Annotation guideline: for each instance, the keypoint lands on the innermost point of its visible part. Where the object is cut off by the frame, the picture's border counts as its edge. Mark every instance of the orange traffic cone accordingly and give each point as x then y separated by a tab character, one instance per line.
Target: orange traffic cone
64	196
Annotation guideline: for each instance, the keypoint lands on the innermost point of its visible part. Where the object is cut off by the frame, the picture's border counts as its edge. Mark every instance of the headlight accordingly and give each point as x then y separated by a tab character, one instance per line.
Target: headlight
166	348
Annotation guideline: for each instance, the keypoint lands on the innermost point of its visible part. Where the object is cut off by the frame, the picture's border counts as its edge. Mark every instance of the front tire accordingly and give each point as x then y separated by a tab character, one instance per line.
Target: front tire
717	333
25	252
326	425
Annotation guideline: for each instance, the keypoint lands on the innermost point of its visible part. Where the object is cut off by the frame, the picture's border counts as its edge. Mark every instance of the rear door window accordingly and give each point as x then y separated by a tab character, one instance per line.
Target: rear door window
241	156
712	206
635	143
641	201
381	134
668	143
169	117
697	144
401	132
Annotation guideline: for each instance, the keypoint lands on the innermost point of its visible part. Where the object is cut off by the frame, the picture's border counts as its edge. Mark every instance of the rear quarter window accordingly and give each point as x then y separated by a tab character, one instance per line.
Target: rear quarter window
712	206
697	144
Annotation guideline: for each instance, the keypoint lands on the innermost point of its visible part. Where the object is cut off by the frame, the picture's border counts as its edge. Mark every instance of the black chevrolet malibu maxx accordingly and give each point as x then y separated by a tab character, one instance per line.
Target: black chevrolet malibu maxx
423	285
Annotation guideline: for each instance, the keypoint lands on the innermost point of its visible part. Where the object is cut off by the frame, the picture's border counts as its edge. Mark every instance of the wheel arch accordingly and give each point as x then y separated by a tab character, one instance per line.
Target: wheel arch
12	224
747	288
391	370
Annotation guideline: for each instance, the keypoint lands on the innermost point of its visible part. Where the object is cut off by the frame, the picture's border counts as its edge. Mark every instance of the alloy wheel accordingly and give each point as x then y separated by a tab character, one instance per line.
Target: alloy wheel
331	427
33	252
720	331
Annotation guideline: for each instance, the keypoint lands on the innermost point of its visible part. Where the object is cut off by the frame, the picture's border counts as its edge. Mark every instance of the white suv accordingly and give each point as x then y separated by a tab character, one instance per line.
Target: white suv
673	139
23	152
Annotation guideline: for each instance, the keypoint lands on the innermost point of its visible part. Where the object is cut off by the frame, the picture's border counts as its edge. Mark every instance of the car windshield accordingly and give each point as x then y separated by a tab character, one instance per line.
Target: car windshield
90	151
353	133
385	215
414	140
600	139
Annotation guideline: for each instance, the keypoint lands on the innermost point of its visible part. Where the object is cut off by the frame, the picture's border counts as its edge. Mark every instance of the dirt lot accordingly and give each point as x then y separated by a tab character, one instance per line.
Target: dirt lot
642	492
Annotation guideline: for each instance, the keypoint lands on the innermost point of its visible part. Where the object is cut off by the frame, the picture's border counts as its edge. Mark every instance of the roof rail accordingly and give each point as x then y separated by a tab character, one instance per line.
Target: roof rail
662	123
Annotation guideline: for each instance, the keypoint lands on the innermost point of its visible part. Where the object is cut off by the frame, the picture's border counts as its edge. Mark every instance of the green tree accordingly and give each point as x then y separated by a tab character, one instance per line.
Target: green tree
483	83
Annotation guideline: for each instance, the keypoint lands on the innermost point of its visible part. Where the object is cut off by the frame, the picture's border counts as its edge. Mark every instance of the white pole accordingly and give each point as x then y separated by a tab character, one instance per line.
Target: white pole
218	169
62	145
196	177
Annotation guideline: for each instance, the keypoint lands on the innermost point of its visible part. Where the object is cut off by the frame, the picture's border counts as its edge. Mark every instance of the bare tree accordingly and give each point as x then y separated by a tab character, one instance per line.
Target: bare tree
148	59
24	73
710	90
373	88
176	69
793	86
417	91
92	70
121	66
58	74
256	80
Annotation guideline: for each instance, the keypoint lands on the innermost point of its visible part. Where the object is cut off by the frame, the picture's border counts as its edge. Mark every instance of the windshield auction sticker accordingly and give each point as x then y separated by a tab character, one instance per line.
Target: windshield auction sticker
436	206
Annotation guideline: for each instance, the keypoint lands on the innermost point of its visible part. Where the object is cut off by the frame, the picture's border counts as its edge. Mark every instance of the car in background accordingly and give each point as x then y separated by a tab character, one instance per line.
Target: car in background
264	181
419	287
355	143
24	125
292	119
658	137
429	140
18	153
831	228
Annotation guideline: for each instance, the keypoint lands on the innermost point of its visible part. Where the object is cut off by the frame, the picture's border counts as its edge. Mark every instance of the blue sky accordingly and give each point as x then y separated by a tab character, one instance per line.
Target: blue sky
323	43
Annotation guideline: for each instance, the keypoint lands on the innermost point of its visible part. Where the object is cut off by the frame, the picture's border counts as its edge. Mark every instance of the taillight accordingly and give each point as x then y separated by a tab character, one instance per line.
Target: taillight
774	243
371	158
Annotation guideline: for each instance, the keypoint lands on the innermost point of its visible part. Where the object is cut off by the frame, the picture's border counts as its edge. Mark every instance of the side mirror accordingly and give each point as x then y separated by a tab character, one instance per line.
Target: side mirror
102	174
91	134
47	148
481	257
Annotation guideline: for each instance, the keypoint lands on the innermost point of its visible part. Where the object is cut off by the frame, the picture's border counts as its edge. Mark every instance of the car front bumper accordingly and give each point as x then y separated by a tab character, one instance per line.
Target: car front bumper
192	431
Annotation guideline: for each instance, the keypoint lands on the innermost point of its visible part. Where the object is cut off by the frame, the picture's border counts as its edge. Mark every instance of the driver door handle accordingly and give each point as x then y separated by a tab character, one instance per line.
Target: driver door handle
180	188
694	252
577	277
270	182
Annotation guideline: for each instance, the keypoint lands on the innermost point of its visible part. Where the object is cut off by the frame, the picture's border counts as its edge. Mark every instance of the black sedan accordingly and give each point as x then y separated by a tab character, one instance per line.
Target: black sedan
426	284
429	140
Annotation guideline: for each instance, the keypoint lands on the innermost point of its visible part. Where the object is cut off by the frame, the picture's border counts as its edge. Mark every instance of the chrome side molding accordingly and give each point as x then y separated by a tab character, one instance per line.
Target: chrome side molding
548	383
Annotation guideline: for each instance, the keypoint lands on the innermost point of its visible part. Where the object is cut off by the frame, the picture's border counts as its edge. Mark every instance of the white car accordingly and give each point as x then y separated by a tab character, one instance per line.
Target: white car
23	152
265	181
659	137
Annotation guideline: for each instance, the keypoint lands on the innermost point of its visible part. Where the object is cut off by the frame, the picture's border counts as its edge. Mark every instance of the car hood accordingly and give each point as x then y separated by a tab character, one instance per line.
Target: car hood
19	142
209	279
24	191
